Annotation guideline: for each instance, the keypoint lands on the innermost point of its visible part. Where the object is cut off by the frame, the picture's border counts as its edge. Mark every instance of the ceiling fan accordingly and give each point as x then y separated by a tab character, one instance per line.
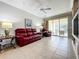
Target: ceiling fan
44	9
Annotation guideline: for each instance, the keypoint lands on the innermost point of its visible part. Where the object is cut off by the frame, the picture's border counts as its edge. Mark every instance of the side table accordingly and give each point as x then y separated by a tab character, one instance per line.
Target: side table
12	42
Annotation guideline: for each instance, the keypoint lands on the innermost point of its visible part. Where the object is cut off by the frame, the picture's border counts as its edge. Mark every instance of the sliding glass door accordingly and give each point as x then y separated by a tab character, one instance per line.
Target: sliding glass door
59	27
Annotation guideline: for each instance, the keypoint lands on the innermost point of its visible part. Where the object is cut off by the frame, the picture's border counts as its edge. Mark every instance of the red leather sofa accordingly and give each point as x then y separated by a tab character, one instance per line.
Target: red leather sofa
26	36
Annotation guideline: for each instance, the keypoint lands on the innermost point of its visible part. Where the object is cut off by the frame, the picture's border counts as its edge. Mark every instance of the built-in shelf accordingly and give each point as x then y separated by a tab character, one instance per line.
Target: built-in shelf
75	33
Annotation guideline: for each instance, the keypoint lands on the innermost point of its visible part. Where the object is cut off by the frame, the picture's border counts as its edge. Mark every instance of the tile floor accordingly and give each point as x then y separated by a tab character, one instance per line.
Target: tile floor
47	48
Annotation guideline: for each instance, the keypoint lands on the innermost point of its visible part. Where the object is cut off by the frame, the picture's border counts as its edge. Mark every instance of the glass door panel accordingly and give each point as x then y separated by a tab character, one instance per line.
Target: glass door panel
55	25
50	28
63	27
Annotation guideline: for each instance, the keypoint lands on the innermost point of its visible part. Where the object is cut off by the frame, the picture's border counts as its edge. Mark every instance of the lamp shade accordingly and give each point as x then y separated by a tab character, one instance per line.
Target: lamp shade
6	25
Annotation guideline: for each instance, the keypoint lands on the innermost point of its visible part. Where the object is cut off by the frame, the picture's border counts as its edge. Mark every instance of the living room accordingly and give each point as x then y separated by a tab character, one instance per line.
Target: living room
37	29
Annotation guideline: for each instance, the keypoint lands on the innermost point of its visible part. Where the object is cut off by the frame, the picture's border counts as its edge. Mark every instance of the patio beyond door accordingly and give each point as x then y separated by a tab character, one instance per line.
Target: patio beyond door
59	27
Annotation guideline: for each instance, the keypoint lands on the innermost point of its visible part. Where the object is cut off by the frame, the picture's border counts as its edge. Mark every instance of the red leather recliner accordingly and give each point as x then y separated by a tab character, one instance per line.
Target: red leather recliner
45	33
26	36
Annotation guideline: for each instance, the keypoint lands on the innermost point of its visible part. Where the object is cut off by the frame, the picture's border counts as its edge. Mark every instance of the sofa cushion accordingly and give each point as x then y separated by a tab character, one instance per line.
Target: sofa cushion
22	34
30	33
20	30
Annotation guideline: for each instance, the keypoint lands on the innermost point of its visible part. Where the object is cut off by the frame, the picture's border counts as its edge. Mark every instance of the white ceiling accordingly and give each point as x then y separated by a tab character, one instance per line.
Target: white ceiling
33	6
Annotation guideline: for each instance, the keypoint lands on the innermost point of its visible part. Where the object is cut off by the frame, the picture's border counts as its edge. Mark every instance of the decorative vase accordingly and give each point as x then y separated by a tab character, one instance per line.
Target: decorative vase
7	33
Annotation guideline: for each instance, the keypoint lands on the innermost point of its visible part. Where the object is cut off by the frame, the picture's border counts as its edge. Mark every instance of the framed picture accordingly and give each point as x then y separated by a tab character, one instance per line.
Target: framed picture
28	23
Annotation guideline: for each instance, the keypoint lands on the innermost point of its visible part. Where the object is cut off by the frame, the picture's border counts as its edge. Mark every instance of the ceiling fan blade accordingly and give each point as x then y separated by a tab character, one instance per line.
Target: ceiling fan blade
48	9
44	11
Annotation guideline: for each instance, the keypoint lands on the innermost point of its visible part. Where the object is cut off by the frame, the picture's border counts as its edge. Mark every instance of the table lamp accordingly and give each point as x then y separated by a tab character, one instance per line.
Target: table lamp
7	26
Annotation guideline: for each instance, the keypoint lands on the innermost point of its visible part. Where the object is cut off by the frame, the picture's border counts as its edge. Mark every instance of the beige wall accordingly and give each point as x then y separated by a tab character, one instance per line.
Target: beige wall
16	16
